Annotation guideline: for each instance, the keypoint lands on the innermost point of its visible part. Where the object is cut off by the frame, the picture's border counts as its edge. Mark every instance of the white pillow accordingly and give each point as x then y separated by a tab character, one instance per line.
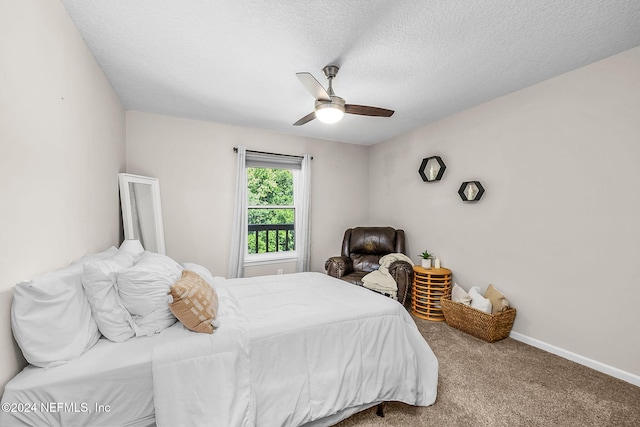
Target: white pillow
201	271
51	317
460	295
144	290
131	246
98	280
478	301
97	256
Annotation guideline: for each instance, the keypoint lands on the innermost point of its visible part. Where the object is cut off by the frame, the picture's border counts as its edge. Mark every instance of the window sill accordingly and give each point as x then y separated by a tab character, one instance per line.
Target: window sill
270	258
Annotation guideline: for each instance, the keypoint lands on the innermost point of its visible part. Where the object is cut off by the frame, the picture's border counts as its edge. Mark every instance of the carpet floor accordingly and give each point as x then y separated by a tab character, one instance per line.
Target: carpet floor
509	383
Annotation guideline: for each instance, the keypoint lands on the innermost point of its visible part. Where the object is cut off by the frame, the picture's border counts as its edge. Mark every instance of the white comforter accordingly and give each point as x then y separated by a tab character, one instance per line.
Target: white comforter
291	349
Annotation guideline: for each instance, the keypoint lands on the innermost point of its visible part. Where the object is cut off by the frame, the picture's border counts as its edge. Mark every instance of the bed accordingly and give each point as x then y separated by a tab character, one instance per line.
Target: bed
288	350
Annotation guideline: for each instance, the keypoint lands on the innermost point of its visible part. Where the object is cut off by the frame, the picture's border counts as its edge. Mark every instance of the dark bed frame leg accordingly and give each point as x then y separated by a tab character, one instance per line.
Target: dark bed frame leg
380	410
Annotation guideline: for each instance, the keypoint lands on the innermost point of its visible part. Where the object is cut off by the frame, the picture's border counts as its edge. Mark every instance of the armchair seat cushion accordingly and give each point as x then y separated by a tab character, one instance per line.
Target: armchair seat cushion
355	277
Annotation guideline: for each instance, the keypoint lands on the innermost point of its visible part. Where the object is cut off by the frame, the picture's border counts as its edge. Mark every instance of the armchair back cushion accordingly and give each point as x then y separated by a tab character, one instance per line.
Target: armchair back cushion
366	245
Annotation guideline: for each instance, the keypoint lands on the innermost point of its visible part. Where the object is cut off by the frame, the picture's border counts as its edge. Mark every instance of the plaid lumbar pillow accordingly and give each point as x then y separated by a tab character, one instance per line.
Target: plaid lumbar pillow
194	302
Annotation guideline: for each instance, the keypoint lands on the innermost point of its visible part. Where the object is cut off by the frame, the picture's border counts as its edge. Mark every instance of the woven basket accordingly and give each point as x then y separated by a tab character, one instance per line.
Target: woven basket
487	327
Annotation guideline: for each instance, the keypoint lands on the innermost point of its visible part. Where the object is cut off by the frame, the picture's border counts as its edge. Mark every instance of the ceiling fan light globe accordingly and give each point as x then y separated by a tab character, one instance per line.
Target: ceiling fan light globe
330	111
329	115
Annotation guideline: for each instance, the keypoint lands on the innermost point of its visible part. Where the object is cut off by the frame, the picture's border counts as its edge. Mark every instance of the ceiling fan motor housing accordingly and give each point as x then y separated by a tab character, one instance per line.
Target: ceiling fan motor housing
336	102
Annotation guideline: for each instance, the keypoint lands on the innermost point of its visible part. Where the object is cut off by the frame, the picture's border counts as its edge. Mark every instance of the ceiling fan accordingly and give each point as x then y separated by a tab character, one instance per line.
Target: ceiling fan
329	107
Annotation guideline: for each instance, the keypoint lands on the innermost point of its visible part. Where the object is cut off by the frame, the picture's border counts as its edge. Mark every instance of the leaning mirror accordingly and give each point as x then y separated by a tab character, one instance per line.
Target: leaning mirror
141	211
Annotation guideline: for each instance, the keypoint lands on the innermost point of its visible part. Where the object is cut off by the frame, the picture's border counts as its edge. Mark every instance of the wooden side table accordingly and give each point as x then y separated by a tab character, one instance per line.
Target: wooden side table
429	285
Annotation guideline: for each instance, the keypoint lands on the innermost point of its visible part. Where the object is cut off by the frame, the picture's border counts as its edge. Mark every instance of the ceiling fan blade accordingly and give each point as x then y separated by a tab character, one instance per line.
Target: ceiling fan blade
313	86
306	119
364	110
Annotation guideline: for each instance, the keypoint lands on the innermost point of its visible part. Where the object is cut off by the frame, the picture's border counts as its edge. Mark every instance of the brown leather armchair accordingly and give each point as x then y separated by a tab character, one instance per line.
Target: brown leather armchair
362	248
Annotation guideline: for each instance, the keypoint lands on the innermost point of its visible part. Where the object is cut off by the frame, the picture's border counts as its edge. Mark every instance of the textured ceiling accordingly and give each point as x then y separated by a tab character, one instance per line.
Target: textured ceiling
234	61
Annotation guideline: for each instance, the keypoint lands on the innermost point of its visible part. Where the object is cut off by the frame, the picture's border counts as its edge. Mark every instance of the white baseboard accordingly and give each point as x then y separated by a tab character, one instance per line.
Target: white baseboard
598	366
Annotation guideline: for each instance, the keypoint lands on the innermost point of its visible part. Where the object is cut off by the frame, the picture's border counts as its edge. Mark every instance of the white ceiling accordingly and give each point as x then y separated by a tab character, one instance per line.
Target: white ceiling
234	61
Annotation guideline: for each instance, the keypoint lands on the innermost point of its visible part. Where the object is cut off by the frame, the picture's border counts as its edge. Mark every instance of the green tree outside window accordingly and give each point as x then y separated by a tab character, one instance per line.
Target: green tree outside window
270	202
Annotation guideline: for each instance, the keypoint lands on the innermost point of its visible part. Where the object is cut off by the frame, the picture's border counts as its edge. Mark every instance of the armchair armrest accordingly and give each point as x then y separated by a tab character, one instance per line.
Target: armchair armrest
402	273
338	266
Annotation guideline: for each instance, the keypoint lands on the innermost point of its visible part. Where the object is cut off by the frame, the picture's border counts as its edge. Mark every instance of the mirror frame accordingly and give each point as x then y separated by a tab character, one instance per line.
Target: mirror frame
124	179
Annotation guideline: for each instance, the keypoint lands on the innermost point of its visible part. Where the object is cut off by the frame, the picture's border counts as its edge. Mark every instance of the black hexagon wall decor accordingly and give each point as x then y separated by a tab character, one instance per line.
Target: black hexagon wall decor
471	191
432	168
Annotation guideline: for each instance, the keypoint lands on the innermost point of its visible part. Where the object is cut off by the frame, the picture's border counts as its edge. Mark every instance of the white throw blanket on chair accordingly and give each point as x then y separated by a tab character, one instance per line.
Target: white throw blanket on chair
381	280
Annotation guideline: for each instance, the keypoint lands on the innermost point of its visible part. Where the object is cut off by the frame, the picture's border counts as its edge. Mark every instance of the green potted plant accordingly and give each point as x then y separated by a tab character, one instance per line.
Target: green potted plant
426	259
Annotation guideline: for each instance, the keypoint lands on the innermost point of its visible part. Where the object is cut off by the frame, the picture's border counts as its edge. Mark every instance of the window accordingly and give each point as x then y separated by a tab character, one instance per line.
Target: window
270	210
271	216
272	184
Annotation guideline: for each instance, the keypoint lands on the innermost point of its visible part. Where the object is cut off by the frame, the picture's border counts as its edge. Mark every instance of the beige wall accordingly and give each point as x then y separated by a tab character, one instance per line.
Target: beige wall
62	135
196	166
558	227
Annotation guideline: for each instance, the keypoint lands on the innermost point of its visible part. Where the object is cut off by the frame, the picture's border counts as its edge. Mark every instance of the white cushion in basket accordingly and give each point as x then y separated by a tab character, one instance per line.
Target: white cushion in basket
51	317
478	301
460	295
144	290
98	280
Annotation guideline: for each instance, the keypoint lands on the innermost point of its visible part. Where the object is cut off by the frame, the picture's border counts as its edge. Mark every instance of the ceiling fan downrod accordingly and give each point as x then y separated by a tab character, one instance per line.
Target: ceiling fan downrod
330	71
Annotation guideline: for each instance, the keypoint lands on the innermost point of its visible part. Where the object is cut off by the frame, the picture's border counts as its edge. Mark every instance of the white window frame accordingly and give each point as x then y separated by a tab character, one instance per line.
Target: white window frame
274	162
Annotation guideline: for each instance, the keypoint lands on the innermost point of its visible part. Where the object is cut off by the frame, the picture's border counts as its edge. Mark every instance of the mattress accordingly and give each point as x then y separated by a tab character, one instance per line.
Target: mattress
110	385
